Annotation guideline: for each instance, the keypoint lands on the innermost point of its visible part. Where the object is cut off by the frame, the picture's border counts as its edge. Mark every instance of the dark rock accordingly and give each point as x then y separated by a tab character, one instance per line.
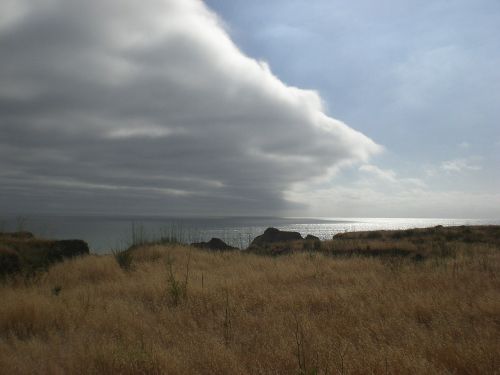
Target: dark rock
275	235
312	238
214	244
68	249
10	262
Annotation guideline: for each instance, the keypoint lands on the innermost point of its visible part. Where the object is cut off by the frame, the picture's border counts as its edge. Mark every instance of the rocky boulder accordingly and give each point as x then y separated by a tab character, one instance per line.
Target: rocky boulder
63	249
272	235
214	244
310	237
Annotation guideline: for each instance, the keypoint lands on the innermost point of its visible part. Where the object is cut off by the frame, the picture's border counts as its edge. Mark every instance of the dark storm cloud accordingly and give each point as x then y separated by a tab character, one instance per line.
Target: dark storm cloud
149	107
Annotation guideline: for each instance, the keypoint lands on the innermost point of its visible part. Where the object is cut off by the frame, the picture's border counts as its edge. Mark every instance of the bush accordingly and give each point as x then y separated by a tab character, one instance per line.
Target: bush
124	259
177	289
9	262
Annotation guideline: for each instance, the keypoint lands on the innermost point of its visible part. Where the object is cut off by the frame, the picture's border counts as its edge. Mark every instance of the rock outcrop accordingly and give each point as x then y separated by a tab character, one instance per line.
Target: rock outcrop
310	237
214	244
272	235
60	250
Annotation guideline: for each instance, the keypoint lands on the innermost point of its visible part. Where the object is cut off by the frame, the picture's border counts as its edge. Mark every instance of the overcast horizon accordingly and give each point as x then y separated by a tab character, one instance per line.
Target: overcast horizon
234	108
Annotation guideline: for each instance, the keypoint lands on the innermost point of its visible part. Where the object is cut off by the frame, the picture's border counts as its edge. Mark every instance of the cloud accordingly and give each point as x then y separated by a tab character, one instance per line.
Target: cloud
389	176
460	165
125	106
372	192
378	192
351	200
384	174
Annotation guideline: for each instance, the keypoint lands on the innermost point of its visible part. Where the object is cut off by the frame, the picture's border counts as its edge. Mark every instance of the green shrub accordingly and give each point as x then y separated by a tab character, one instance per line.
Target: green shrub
177	289
124	259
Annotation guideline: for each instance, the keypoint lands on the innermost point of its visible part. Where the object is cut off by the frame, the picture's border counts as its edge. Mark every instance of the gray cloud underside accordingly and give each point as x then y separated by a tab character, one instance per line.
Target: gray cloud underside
149	107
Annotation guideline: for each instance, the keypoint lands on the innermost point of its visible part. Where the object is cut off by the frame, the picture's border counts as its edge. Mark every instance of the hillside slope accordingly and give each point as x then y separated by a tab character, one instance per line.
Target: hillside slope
180	310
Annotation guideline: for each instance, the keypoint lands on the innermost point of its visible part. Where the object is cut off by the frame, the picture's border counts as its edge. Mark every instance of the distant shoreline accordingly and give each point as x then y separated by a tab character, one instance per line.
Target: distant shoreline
108	232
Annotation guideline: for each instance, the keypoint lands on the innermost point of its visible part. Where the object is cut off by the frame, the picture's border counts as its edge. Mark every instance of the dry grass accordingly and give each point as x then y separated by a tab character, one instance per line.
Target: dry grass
304	313
418	244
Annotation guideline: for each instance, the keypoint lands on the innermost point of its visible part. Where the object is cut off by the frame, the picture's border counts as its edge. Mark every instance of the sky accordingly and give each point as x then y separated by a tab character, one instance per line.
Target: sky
229	107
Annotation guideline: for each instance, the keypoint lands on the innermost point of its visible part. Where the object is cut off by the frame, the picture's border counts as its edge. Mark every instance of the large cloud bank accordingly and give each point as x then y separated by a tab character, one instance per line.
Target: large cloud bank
148	106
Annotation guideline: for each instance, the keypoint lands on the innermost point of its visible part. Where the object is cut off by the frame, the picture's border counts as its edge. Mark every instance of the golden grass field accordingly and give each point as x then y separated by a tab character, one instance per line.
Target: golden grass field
180	310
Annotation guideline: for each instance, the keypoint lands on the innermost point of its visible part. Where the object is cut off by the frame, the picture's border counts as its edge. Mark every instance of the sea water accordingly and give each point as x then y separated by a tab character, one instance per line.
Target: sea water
107	233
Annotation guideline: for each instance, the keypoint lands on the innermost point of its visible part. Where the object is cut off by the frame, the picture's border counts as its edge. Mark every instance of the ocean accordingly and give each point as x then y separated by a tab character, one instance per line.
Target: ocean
108	233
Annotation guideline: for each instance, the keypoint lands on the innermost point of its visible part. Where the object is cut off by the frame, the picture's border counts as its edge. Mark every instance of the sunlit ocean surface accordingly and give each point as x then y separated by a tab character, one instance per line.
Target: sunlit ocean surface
104	234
